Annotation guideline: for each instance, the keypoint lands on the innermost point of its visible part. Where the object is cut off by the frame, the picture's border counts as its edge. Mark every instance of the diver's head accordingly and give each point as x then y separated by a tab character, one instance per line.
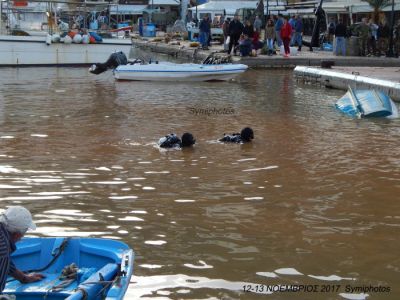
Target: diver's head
187	139
247	134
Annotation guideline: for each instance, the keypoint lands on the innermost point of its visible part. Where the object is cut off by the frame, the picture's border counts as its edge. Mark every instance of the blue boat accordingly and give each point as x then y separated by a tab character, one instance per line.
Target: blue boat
75	268
367	103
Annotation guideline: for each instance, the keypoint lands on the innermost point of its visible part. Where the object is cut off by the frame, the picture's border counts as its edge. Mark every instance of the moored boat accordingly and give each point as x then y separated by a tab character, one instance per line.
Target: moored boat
34	51
38	33
75	268
363	103
166	71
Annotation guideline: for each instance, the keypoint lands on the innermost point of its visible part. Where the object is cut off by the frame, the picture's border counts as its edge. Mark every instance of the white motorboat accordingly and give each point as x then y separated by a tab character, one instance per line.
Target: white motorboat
166	71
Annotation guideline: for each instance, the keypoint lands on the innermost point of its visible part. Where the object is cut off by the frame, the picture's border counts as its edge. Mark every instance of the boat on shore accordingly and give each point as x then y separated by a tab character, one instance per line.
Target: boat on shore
74	268
363	103
166	71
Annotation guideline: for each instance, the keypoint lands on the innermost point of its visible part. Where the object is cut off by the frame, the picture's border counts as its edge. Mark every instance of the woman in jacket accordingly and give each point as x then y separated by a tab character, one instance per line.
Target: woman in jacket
286	34
270	36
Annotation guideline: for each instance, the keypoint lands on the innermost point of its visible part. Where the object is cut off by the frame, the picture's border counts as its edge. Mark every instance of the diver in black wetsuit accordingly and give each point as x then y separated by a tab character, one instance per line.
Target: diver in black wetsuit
245	136
172	141
116	59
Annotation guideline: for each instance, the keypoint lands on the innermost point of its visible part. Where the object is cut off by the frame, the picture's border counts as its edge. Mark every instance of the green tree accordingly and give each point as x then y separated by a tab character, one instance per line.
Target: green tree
377	5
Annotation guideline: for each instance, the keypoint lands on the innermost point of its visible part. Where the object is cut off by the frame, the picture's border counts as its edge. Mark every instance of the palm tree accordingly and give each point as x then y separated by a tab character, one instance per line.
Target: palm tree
377	5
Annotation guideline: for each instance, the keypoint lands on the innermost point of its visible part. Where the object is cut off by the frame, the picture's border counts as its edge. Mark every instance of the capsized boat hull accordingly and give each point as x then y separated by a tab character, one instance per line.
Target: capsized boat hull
178	72
367	104
104	266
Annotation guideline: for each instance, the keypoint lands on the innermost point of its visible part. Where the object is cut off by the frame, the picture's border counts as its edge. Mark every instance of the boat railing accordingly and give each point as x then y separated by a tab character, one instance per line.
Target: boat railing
49	14
355	102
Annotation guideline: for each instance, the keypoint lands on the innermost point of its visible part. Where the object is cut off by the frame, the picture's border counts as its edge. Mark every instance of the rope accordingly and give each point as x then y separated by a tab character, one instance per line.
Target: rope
68	275
60	250
84	293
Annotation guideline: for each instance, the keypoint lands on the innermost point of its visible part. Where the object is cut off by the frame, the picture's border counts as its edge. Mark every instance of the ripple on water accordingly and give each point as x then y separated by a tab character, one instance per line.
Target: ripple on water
201	265
151	266
39	135
184	200
148	188
108	182
259	169
288	271
30	198
155	242
122	197
253	198
131	218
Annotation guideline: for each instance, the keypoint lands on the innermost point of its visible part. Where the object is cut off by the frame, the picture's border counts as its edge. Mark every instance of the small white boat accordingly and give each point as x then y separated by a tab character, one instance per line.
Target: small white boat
166	71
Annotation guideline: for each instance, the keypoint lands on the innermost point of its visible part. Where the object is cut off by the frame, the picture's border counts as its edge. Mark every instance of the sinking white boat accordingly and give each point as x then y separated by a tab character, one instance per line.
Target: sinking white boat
363	103
166	71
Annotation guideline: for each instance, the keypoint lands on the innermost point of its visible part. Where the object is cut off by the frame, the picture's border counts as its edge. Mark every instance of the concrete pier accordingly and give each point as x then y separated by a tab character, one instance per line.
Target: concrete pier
303	58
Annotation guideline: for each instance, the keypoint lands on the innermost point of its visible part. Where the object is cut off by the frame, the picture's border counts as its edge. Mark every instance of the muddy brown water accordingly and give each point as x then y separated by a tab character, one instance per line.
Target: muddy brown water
314	201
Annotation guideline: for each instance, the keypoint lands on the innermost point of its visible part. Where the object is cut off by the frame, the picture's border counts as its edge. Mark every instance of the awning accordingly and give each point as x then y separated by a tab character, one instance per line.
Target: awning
127	9
300	11
365	8
165	2
230	7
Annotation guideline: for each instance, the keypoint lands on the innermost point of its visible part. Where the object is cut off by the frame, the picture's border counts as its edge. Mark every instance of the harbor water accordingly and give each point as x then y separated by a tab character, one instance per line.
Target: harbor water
309	210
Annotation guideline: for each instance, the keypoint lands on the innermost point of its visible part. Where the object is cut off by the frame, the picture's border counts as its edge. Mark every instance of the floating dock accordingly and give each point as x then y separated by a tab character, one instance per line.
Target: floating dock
341	79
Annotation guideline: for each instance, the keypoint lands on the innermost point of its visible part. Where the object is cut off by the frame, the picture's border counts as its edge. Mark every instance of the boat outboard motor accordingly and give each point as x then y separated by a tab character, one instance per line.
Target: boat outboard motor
115	59
217	60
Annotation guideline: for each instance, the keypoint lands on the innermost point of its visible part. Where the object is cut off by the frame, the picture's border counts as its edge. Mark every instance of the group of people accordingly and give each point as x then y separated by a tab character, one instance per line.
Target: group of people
373	38
188	140
246	37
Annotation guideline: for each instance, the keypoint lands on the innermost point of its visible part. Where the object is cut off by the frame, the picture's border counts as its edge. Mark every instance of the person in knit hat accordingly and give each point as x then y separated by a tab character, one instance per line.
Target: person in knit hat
14	223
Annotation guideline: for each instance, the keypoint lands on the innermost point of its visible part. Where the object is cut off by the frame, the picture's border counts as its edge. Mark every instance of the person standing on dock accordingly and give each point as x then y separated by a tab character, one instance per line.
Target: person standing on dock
298	32
257	24
331	30
364	33
235	30
383	38
205	31
286	32
340	36
270	36
248	29
278	27
396	34
373	37
292	22
225	31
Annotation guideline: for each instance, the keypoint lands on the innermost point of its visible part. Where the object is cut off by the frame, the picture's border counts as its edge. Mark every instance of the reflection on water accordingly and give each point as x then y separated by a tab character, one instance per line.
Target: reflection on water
313	200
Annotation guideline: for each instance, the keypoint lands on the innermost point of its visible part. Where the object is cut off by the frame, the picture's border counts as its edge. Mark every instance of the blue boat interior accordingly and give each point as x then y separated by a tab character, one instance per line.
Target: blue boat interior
93	268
